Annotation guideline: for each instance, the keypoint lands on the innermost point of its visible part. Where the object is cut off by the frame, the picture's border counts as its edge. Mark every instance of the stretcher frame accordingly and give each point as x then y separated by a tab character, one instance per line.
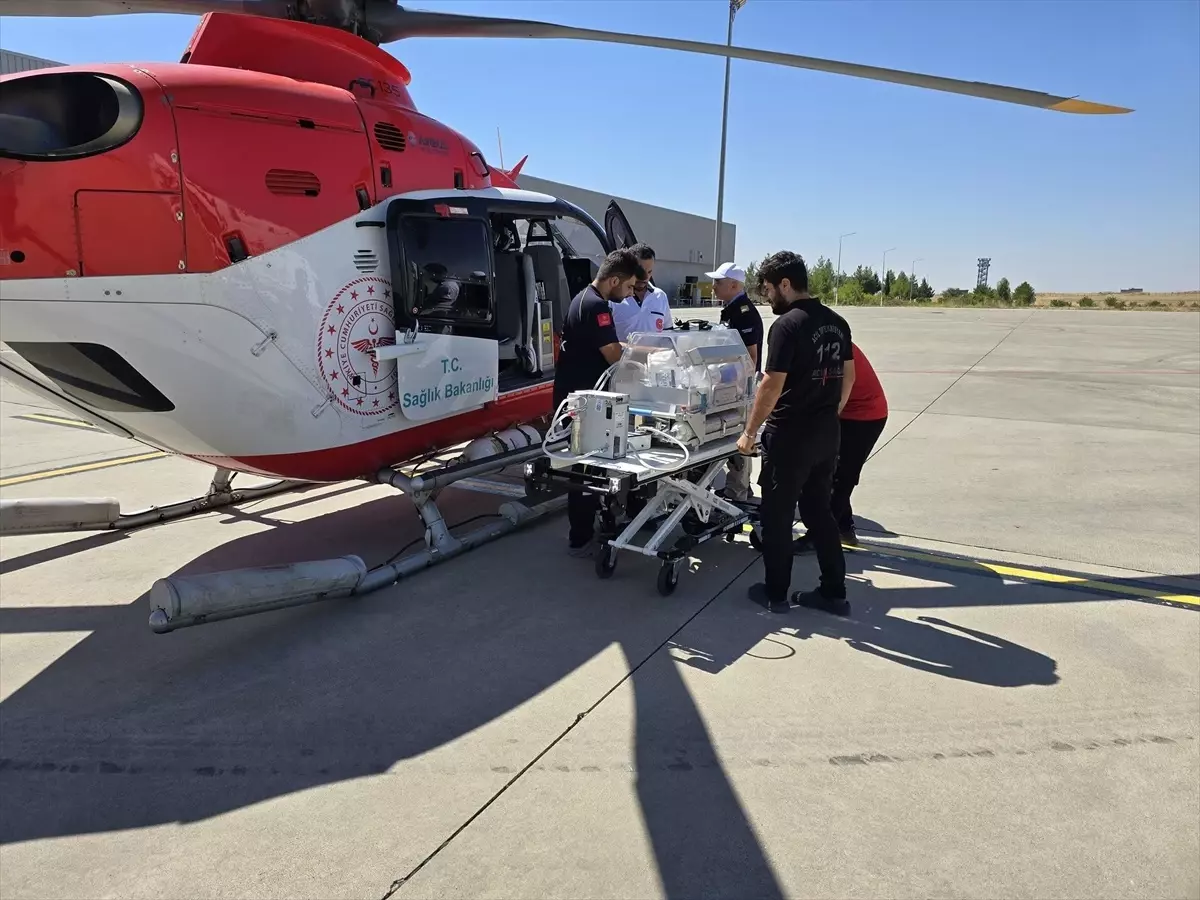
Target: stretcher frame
676	496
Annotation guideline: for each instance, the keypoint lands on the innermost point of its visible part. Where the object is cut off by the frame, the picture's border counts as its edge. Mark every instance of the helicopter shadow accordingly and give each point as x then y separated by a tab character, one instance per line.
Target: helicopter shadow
932	644
128	729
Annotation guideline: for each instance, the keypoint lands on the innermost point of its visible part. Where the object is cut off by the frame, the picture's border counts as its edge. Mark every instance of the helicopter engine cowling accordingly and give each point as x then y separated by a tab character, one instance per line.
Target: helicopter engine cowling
268	131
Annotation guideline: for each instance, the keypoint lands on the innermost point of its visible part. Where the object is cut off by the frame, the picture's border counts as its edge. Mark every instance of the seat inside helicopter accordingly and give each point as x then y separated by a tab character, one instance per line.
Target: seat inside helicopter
507	278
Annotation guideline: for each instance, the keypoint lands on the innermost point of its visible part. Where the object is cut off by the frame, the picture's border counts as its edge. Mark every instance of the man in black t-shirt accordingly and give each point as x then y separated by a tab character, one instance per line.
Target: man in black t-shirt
743	317
798	400
589	347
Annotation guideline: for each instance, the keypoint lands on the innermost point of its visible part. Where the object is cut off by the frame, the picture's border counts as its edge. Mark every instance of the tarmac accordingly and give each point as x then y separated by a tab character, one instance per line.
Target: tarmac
1011	710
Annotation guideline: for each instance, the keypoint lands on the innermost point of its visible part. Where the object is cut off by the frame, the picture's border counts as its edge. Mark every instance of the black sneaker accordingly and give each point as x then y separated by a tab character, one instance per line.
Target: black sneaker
850	536
838	606
758	593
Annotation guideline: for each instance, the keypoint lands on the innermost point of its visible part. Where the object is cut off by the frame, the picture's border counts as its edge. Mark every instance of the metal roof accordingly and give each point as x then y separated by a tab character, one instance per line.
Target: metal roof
11	62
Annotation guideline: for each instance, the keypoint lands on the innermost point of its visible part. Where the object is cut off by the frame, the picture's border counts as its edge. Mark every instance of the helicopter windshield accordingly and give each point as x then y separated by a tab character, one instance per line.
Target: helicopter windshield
572	237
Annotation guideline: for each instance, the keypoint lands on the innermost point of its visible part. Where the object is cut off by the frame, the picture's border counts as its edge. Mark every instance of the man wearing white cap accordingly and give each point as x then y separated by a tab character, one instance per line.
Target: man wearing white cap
648	309
737	312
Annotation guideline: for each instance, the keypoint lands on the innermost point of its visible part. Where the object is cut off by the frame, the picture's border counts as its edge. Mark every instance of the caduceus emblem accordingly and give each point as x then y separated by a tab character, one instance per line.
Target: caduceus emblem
367	344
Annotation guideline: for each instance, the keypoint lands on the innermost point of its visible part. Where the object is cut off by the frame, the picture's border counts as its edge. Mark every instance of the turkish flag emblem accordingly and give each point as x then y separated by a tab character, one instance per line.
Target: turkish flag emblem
658	324
604	320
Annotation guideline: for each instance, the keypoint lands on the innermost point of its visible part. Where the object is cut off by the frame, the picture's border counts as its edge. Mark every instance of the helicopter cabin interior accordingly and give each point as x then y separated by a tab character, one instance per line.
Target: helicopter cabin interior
502	269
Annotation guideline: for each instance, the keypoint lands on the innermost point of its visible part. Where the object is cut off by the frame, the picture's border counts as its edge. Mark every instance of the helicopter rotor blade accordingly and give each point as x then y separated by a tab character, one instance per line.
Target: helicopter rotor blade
386	22
86	8
396	23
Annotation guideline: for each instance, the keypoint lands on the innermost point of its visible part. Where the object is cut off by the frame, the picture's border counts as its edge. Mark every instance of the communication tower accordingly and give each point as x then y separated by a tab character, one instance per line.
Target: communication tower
982	279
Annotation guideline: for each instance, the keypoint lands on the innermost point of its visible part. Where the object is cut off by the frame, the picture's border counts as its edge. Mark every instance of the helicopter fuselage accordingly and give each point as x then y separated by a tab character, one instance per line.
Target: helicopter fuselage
207	258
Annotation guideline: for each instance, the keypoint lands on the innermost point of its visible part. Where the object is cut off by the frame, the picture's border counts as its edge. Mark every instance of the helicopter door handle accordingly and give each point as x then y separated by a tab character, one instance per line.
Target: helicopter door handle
362	82
257	349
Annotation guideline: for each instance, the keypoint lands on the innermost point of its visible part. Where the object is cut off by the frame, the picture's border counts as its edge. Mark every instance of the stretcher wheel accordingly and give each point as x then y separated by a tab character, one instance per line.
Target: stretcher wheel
668	578
606	560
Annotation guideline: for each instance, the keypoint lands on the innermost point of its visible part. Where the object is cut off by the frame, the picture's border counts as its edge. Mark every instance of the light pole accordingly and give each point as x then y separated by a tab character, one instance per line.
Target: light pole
883	274
837	277
912	278
734	6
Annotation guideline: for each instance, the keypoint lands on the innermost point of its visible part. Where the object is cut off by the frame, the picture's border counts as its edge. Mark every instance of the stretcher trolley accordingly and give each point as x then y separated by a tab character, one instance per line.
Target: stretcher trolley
651	440
677	491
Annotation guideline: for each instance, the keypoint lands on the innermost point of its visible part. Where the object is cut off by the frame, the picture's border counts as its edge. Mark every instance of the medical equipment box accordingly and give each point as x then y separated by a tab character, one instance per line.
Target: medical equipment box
599	423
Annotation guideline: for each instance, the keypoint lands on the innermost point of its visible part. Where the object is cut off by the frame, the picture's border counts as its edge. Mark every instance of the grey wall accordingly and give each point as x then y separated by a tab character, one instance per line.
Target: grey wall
682	242
11	63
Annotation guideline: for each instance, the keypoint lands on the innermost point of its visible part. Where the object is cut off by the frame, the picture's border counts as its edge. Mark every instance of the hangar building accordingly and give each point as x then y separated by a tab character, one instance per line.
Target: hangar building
682	241
11	63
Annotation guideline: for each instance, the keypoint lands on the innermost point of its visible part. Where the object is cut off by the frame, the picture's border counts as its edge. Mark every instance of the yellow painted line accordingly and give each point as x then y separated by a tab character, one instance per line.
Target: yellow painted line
1036	575
56	420
82	467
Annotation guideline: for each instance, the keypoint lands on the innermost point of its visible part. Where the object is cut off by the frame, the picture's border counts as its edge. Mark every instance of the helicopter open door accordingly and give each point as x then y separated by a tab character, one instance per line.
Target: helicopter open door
476	268
617	228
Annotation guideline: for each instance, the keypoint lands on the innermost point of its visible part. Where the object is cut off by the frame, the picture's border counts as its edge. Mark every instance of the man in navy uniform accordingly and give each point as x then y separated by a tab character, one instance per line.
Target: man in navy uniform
729	286
589	347
798	400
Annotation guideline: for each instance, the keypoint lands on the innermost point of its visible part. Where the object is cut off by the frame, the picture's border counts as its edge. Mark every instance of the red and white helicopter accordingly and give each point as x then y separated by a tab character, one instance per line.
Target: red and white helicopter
265	258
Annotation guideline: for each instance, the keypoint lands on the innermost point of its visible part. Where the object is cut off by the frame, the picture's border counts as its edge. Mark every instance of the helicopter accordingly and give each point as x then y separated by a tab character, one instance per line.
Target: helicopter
265	258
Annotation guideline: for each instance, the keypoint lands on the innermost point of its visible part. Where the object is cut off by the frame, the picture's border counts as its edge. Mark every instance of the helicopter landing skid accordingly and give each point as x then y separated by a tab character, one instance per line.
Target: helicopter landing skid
183	601
56	516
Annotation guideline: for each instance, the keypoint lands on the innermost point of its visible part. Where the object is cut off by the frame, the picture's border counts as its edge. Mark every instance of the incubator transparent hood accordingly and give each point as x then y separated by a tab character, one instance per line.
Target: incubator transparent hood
695	385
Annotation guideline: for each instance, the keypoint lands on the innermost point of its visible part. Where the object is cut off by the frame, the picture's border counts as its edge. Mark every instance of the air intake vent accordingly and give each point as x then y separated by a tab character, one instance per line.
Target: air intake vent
390	137
365	261
293	183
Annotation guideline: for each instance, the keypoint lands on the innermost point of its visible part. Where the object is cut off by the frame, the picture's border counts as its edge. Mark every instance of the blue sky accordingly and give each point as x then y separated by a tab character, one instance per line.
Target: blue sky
1069	203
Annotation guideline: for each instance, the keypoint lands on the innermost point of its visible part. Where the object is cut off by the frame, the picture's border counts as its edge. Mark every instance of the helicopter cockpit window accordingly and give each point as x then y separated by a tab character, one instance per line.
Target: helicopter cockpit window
448	262
582	239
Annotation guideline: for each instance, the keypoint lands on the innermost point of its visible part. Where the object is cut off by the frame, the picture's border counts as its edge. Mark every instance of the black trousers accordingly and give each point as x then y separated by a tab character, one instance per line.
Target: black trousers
581	506
797	469
581	517
857	441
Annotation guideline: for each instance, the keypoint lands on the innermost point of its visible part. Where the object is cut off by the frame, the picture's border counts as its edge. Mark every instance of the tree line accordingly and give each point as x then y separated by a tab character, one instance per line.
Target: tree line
863	286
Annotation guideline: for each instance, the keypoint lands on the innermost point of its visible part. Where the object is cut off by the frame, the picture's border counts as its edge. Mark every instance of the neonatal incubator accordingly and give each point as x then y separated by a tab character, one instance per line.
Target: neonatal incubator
696	386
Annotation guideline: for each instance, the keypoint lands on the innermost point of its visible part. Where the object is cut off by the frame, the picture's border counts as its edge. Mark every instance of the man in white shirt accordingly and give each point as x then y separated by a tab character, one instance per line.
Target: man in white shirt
648	310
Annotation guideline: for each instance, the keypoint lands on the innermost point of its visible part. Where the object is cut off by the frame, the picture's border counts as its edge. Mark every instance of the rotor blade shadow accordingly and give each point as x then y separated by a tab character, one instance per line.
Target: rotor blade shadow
51	619
59	551
703	841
